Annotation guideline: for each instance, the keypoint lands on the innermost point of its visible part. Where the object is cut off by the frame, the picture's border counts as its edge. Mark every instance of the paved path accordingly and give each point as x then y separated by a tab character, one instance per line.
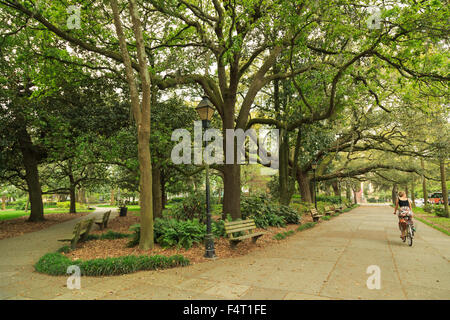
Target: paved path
326	262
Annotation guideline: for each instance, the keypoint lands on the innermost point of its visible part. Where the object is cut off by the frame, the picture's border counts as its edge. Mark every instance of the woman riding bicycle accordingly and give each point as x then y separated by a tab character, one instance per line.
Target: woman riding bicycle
404	210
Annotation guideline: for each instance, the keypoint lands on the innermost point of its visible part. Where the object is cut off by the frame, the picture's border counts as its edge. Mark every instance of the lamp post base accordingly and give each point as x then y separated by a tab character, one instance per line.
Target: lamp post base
209	246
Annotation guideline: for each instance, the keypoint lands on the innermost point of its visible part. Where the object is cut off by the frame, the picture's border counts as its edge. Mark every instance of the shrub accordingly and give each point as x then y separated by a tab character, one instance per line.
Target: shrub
66	205
266	213
328	199
439	210
289	214
428	208
283	235
136	235
50	204
64	249
110	235
326	218
253	205
191	207
20	204
268	219
307	225
218	228
57	264
172	232
303	207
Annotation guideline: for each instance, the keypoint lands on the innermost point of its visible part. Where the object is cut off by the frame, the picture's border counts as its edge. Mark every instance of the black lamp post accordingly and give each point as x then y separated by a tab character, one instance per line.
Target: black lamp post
314	167
205	110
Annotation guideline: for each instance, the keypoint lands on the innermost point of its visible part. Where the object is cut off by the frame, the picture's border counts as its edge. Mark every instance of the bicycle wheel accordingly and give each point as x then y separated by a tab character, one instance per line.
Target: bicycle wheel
409	236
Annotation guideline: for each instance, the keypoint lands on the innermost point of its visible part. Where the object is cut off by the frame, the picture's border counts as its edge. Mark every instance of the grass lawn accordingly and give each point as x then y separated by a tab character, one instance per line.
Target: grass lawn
130	207
12	214
439	223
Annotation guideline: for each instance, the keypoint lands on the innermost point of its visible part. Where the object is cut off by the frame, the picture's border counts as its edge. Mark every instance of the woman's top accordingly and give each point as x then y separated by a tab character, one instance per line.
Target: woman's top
403	203
404	207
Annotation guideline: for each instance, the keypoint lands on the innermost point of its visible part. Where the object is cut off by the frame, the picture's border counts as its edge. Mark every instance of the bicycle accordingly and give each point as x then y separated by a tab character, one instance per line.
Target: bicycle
406	222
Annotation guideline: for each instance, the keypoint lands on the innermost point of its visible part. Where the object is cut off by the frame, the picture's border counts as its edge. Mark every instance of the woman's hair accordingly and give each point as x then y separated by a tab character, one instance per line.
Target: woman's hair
401	193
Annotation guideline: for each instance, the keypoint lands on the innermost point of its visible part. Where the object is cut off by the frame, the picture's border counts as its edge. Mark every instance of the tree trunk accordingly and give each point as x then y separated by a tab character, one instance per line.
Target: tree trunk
283	176
406	190
146	194
304	185
334	185
231	172
73	199
163	193
348	193
424	184
413	196
157	194
394	194
82	196
30	163
3	203
112	200
232	191
444	186
141	108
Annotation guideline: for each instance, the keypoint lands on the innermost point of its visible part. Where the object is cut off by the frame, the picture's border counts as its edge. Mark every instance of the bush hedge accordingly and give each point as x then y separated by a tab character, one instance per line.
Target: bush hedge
283	235
307	225
179	233
66	205
110	235
56	264
329	199
266	213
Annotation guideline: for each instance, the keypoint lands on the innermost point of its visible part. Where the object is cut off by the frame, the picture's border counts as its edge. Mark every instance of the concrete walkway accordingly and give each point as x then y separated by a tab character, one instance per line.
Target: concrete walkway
326	262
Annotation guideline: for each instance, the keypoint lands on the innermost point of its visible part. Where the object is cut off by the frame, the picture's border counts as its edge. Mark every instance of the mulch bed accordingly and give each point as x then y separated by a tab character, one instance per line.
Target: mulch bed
114	248
18	226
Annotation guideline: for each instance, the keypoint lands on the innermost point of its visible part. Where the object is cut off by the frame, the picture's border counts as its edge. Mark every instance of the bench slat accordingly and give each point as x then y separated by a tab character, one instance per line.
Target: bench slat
239	222
248	226
238	230
252	235
241	226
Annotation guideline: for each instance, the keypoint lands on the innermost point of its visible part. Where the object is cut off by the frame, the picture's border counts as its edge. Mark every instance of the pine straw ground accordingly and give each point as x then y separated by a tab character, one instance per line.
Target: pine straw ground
18	226
114	248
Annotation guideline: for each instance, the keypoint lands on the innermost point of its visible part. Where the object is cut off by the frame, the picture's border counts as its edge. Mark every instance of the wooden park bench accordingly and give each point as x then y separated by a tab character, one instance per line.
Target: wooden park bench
80	232
231	228
328	211
315	215
103	223
341	208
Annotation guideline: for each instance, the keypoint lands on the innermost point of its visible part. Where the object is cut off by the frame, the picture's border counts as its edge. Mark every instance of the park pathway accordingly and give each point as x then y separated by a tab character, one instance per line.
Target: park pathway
19	254
328	261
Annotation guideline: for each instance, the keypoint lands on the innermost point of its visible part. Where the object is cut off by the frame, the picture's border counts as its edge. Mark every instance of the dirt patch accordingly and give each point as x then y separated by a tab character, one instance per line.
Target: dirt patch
115	248
18	226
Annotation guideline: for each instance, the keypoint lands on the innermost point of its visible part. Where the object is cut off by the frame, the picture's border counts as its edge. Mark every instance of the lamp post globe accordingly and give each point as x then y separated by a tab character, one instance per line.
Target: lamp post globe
205	110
